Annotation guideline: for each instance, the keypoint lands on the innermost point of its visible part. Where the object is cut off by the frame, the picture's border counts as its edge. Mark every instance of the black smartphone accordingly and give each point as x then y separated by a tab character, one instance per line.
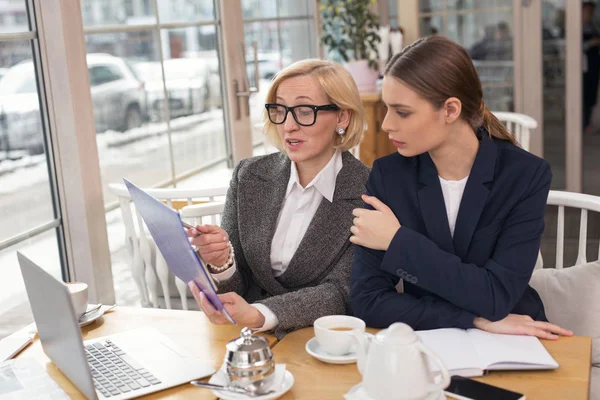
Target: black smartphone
469	389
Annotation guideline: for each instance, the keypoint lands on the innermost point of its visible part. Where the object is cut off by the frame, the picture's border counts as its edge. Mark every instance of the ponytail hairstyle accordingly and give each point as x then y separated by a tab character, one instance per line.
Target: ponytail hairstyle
437	69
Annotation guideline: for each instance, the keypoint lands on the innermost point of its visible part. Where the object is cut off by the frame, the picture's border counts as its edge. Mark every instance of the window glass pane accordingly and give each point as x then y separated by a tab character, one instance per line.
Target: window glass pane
185	10
393	13
295	8
117	12
554	92
259	8
14	304
275	51
13	16
266	35
195	99
431	25
298	41
269	63
488	35
478	4
488	38
431	5
130	128
25	195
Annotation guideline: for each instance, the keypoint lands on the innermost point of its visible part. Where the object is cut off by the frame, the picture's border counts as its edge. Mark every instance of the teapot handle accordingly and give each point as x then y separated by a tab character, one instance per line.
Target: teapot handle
445	375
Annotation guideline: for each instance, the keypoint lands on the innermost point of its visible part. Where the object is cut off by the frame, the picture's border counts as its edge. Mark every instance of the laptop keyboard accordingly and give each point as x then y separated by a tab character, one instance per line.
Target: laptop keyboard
114	372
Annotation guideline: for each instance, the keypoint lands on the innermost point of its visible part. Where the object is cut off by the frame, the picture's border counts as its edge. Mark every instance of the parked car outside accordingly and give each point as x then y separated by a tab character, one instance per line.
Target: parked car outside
118	97
189	83
118	94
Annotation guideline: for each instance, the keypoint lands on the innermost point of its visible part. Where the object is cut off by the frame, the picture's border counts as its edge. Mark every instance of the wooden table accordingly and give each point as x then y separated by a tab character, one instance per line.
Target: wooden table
315	379
189	329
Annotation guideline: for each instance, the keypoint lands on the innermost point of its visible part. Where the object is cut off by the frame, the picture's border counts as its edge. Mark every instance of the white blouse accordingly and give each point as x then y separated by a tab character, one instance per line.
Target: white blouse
453	192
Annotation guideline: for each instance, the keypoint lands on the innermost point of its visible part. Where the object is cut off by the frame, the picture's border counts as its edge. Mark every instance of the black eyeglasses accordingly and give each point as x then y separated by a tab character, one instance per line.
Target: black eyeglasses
304	114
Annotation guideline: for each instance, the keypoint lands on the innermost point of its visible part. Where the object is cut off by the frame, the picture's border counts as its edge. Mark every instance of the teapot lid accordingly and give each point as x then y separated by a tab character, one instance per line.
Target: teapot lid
398	333
247	342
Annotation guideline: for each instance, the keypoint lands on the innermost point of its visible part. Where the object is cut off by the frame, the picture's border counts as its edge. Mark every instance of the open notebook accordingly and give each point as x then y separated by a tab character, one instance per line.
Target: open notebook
471	352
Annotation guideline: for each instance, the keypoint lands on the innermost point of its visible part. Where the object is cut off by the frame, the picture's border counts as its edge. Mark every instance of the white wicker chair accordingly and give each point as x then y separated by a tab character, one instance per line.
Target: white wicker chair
585	203
520	125
147	264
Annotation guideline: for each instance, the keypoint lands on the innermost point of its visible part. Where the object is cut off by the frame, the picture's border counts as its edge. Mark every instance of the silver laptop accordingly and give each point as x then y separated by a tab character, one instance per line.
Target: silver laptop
120	366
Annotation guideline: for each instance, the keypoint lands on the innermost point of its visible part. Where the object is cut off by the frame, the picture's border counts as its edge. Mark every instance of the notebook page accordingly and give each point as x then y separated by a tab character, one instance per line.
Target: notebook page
455	349
510	351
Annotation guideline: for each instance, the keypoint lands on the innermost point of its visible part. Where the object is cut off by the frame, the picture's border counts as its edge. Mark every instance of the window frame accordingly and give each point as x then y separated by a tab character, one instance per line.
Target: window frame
34	36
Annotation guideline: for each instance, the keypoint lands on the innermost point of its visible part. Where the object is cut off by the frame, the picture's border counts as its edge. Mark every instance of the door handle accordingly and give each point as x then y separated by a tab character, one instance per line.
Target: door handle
242	92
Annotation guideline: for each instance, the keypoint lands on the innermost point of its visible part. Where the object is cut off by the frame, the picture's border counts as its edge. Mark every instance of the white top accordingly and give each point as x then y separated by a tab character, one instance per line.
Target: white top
453	192
299	208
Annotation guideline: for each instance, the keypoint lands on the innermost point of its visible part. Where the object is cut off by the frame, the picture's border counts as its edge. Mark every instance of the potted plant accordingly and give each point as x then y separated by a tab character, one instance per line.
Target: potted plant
350	34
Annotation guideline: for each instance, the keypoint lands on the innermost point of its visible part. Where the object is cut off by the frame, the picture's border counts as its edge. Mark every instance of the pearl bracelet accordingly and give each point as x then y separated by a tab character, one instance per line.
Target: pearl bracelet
227	264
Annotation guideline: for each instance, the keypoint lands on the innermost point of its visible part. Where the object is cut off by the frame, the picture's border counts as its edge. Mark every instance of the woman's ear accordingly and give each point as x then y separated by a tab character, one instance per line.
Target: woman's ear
343	118
452	109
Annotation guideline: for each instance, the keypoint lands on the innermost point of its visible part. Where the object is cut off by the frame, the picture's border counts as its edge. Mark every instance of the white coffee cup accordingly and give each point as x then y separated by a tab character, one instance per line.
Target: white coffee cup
334	333
79	297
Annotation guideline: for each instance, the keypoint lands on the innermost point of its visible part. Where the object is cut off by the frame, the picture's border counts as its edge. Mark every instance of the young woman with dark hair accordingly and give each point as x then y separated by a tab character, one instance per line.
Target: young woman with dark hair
456	214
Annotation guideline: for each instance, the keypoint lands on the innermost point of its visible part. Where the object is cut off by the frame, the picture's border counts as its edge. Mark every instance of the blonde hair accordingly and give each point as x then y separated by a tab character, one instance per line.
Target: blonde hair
340	88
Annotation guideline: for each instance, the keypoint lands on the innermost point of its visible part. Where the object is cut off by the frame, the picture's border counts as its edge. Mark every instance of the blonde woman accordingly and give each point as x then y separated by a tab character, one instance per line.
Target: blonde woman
282	256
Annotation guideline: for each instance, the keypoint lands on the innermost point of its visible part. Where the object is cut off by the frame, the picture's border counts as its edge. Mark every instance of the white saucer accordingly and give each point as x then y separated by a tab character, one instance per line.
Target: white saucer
313	348
220	378
357	392
93	316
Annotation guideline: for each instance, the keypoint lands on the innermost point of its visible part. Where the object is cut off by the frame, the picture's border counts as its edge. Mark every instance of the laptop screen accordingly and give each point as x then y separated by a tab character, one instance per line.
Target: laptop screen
57	327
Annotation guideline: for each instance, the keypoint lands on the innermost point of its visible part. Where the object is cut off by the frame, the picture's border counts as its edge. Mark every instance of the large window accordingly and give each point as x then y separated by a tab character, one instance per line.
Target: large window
284	32
30	219
155	71
155	81
484	28
156	88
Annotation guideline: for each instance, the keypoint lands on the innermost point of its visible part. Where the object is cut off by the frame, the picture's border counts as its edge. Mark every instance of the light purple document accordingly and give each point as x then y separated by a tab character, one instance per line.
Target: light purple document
166	229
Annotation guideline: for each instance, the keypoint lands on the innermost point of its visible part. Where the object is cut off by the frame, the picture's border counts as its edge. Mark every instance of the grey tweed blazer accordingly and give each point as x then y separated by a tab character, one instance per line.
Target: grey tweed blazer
316	282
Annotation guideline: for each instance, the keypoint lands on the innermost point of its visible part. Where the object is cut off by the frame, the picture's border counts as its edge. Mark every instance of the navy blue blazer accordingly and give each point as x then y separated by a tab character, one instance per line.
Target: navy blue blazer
484	270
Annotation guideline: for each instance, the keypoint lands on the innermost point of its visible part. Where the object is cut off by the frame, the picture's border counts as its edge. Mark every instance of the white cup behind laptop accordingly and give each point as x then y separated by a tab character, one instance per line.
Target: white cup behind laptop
334	333
79	297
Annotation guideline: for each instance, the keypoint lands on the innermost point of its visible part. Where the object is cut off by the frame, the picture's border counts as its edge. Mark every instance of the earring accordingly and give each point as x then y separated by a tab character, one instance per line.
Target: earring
340	131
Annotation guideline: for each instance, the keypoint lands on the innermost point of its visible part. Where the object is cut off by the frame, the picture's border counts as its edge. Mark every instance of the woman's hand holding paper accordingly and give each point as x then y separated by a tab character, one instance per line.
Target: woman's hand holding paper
242	312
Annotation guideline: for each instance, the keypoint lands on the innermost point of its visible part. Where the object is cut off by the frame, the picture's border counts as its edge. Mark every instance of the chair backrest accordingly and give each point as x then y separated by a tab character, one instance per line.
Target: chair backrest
146	262
199	214
585	203
520	125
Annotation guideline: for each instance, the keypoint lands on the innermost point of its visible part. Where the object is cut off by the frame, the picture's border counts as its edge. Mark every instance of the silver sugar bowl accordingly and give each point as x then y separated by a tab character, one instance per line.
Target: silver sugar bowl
249	362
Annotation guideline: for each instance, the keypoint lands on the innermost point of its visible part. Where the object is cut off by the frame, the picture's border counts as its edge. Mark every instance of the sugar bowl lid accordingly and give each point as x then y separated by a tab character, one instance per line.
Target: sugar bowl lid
248	350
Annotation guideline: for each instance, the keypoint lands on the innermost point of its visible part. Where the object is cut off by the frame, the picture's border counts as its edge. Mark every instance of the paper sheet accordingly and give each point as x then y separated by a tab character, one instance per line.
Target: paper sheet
167	231
24	378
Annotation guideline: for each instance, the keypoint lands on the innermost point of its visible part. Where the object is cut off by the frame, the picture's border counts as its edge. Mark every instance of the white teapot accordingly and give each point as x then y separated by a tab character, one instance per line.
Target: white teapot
394	368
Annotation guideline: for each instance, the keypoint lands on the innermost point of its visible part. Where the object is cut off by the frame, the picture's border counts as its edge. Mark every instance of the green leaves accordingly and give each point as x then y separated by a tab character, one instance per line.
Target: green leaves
350	30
